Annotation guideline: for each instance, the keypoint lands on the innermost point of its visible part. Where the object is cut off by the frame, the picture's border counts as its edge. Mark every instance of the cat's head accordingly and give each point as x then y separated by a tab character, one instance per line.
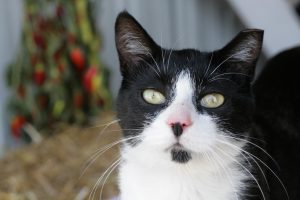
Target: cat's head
182	104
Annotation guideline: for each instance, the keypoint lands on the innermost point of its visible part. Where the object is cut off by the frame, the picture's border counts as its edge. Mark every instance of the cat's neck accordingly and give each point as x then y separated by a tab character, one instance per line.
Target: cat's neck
161	180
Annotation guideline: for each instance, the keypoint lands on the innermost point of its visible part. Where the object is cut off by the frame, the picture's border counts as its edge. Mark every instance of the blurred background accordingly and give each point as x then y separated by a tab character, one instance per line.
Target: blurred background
59	76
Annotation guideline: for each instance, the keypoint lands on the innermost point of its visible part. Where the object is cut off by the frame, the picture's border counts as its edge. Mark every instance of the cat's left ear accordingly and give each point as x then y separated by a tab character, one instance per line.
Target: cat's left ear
134	45
243	51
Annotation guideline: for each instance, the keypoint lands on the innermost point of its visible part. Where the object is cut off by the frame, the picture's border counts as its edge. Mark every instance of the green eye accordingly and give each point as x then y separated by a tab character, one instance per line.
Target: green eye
153	96
212	100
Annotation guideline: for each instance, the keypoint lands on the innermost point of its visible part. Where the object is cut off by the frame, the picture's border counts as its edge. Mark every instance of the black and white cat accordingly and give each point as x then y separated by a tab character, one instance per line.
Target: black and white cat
188	120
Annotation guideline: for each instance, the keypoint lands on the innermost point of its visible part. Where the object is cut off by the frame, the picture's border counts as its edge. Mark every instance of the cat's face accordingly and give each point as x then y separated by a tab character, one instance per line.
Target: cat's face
180	105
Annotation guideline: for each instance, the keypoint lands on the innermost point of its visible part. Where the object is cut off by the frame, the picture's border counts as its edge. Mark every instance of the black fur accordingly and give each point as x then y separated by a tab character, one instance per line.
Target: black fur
278	121
180	156
274	120
138	75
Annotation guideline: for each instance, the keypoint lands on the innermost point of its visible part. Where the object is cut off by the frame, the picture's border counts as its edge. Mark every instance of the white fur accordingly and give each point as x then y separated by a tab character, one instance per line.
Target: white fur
148	172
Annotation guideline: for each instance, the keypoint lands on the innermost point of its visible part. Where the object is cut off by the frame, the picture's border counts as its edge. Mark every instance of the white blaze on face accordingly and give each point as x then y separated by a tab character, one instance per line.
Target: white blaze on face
198	137
148	166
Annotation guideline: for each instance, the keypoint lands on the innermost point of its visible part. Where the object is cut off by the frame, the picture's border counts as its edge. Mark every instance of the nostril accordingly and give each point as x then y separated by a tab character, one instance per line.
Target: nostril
183	124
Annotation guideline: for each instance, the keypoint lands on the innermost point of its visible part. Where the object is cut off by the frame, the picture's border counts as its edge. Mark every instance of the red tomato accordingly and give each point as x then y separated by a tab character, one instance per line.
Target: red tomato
17	125
77	58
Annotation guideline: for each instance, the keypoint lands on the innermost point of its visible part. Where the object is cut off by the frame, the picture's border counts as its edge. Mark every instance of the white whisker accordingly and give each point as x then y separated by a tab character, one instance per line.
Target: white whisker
262	162
207	68
228	73
93	192
106	124
106	127
233	55
263	150
247	170
215	79
238	149
151	56
107	176
149	65
162	53
102	150
219	160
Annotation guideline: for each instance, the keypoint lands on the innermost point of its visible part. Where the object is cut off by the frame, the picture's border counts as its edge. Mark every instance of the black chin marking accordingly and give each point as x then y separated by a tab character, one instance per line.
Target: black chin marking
180	156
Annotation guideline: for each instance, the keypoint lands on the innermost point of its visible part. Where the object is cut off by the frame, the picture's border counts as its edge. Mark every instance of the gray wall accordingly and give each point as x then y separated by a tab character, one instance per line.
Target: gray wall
201	24
10	29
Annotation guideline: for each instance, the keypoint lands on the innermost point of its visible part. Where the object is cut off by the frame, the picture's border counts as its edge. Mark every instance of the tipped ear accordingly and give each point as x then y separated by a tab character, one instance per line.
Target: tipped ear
132	41
243	50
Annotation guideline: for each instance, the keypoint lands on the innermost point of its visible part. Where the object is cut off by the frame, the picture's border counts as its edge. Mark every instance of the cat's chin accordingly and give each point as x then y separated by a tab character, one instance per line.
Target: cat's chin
179	154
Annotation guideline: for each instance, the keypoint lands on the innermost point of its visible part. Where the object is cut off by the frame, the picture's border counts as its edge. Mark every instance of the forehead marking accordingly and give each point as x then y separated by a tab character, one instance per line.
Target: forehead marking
183	89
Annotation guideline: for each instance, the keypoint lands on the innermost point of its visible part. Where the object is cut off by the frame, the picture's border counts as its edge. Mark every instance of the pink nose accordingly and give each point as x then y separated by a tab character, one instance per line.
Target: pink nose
184	119
179	122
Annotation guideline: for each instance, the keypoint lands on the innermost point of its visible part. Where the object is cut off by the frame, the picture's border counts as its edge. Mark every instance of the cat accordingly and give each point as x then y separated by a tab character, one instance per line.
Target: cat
191	127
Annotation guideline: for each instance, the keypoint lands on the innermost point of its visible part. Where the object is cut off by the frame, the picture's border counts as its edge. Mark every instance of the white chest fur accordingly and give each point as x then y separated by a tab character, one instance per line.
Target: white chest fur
192	181
213	173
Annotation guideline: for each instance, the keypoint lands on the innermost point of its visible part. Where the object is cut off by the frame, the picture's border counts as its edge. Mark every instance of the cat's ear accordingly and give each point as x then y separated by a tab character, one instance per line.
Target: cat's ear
133	43
242	52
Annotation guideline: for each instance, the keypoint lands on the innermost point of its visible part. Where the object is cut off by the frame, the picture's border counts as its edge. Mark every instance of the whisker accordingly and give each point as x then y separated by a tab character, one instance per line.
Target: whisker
101	151
255	145
214	162
246	137
238	149
149	65
93	192
109	123
253	177
215	79
169	57
162	53
151	56
154	62
262	162
207	68
226	171
106	127
120	130
229	73
172	49
224	62
107	176
187	172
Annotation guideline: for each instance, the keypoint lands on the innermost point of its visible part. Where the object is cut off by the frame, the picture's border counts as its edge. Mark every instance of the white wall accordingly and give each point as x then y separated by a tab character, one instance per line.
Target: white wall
10	29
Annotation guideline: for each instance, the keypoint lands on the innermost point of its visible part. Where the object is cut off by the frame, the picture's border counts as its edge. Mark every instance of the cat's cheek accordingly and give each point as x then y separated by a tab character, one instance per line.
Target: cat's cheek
158	136
199	144
202	136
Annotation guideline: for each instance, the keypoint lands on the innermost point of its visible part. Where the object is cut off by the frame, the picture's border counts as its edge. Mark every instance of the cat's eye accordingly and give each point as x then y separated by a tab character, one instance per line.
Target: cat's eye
153	96
212	100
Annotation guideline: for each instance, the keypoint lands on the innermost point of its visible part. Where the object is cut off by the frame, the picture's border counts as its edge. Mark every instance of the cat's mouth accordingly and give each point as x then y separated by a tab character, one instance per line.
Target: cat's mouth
180	154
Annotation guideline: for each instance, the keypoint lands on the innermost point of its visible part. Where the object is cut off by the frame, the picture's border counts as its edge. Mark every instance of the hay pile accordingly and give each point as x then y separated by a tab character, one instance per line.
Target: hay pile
52	168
